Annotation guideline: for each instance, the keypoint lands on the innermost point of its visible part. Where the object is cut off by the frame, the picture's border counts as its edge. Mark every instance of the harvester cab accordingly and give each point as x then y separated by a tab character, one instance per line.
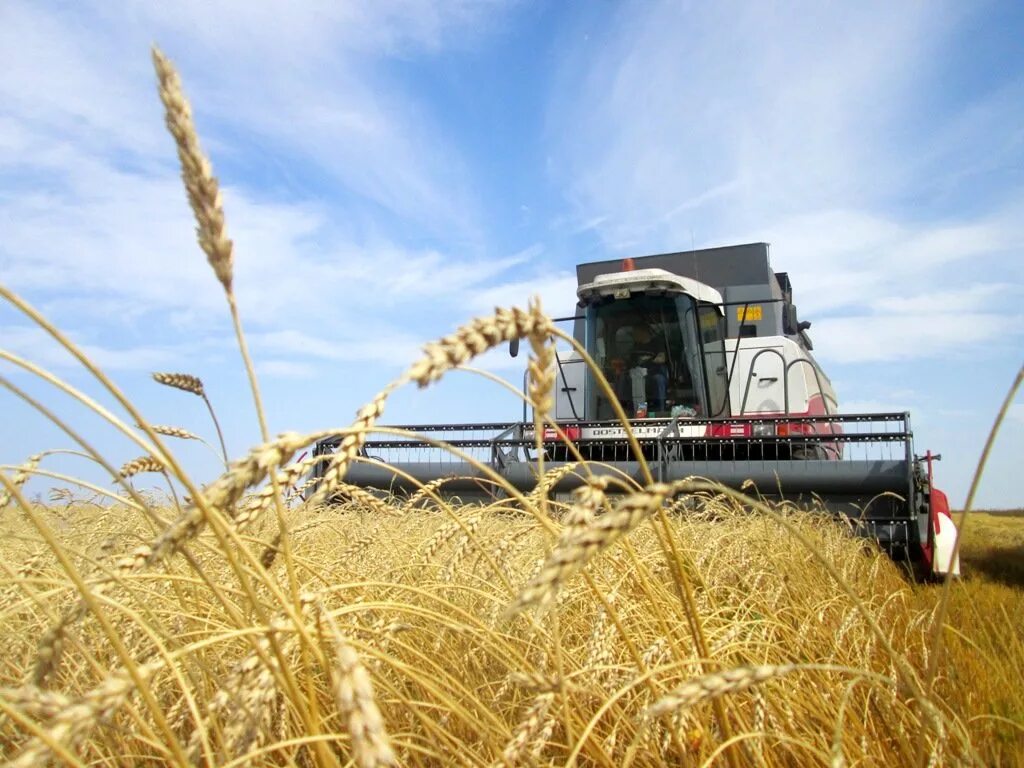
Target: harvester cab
702	357
658	338
730	360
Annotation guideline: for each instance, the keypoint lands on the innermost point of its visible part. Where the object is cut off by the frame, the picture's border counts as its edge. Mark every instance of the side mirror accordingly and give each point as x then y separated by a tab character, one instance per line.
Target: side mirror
790	321
513	347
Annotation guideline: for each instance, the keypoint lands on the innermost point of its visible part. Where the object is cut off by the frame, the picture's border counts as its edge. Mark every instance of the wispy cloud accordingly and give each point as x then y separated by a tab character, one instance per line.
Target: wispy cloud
382	345
286	369
310	83
1016	413
875	338
737	122
93	210
38	347
557	292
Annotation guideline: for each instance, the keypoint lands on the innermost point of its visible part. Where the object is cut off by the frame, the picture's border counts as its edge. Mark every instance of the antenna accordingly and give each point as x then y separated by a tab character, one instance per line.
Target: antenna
693	252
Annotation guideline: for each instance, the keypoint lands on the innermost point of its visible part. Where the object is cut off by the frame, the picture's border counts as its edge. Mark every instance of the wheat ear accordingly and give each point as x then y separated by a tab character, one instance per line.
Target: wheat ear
141	464
353	692
716	684
21	477
475	338
579	545
222	495
262	501
550	479
170	431
189	383
75	719
472	339
527	731
196	172
428	489
186	382
541	366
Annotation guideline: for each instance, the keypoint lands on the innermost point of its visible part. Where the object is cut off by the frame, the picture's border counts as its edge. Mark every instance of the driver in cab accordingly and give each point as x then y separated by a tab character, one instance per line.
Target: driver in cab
649	352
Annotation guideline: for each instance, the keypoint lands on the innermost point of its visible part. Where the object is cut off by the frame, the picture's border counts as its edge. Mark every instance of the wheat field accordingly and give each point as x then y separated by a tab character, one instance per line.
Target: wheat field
236	622
399	648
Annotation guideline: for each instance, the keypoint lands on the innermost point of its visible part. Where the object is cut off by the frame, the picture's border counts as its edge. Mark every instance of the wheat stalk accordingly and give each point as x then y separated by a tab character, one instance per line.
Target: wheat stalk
186	382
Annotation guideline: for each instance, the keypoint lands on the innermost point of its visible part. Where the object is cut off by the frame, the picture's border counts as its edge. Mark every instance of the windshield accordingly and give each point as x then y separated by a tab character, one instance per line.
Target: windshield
647	348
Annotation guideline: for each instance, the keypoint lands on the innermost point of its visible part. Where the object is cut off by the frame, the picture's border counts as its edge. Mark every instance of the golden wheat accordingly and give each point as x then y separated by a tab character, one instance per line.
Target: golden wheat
171	431
541	366
354	694
717	684
21	476
582	543
200	183
141	464
183	381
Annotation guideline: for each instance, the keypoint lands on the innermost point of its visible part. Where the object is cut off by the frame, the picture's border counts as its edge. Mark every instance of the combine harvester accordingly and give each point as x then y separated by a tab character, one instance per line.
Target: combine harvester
705	353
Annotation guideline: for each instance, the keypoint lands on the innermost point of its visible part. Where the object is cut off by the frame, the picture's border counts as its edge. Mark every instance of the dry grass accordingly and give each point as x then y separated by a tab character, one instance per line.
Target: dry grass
665	625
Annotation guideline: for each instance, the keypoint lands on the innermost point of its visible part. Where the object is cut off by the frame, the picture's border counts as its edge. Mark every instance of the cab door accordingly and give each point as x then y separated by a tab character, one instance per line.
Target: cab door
758	386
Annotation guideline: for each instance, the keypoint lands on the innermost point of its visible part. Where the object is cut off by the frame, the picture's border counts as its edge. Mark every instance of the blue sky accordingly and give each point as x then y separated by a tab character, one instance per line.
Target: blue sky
391	169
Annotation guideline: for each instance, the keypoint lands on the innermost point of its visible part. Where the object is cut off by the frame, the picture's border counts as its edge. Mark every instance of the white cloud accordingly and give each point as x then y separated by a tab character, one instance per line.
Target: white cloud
381	345
285	369
35	345
1016	413
95	221
557	294
974	298
905	337
310	80
727	123
840	258
742	106
113	242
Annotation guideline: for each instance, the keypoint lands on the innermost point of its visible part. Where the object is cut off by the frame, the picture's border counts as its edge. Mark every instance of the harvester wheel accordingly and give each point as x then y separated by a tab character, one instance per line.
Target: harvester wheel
808	453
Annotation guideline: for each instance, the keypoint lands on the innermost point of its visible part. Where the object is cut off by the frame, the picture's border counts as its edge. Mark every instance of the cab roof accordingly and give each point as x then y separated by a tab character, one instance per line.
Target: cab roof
643	280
